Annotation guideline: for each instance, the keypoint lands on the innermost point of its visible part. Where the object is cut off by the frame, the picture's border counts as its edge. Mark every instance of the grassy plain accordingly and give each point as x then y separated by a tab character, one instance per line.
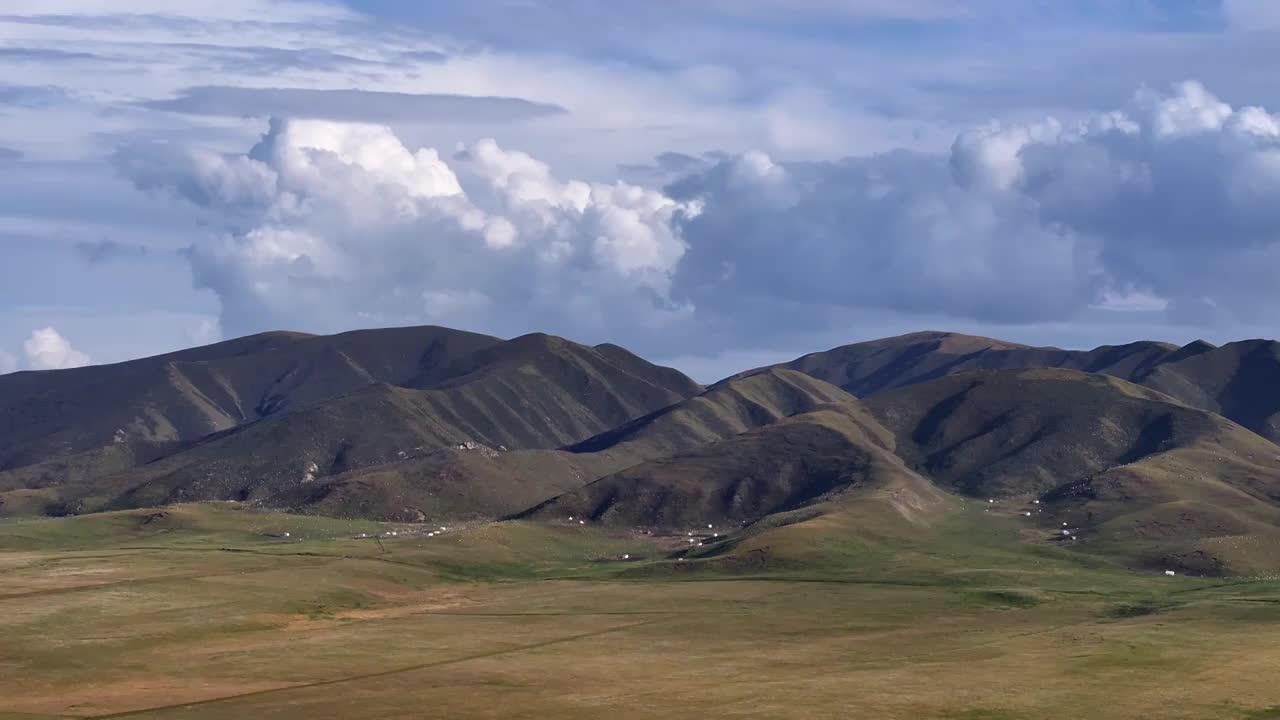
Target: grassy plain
208	611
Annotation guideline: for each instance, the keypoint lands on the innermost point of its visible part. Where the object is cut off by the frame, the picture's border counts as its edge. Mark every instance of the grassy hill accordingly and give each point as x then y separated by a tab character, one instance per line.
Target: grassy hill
536	391
1024	432
786	465
1237	380
184	396
1124	444
1231	380
725	409
1135	475
973	539
1129	471
447	484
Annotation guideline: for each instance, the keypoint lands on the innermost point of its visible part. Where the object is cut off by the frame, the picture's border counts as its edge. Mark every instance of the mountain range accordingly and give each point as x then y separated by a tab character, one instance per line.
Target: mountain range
1149	454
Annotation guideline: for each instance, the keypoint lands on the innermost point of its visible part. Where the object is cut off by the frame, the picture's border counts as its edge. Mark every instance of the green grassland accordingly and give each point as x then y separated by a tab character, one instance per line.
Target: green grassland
209	611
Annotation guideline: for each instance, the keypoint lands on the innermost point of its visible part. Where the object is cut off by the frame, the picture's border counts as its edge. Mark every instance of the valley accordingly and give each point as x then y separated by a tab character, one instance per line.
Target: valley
408	521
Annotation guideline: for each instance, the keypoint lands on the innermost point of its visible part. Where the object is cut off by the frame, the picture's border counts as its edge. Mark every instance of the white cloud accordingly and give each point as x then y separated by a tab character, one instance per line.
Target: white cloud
204	332
1164	209
1133	301
217	64
335	224
1170	201
48	350
1166	204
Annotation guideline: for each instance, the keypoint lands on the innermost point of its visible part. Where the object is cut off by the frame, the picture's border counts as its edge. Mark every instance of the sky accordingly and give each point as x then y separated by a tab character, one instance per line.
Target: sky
715	185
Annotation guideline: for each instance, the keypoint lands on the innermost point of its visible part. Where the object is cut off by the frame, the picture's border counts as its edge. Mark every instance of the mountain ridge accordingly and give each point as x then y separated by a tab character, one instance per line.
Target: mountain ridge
1199	373
1152	454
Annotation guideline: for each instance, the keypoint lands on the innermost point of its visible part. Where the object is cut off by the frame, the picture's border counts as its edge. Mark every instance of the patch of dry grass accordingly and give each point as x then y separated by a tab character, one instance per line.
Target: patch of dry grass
183	630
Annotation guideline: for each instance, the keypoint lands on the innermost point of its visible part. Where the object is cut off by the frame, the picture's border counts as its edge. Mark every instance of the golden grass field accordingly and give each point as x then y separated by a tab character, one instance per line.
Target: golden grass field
200	613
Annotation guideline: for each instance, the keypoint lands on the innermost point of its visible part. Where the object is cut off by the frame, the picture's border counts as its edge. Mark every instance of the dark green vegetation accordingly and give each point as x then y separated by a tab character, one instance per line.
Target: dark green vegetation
374	523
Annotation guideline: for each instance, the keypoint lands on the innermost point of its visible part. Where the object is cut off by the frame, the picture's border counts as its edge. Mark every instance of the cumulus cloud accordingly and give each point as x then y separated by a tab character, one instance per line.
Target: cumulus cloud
339	224
206	179
1164	208
665	168
1171	199
788	243
46	349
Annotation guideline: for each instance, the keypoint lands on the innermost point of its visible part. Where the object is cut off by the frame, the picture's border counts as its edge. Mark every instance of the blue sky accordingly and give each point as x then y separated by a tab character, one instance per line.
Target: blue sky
715	184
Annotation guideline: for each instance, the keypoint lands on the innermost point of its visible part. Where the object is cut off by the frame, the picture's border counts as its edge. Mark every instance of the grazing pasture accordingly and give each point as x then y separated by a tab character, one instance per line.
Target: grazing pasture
209	611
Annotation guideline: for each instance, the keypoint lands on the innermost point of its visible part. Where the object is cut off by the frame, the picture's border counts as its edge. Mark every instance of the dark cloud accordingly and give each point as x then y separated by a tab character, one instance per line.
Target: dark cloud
665	168
423	56
106	250
253	60
43	55
352	105
8	155
1171	198
792	242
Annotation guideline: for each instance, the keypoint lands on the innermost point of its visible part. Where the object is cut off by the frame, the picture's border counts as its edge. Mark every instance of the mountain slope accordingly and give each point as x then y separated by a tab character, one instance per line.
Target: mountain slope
539	391
390	452
1015	432
535	391
1132	472
184	396
869	367
794	462
1240	380
725	409
467	483
1236	380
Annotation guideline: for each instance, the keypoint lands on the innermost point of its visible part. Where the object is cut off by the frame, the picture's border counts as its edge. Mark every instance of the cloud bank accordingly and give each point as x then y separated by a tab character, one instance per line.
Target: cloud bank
1164	206
1171	198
